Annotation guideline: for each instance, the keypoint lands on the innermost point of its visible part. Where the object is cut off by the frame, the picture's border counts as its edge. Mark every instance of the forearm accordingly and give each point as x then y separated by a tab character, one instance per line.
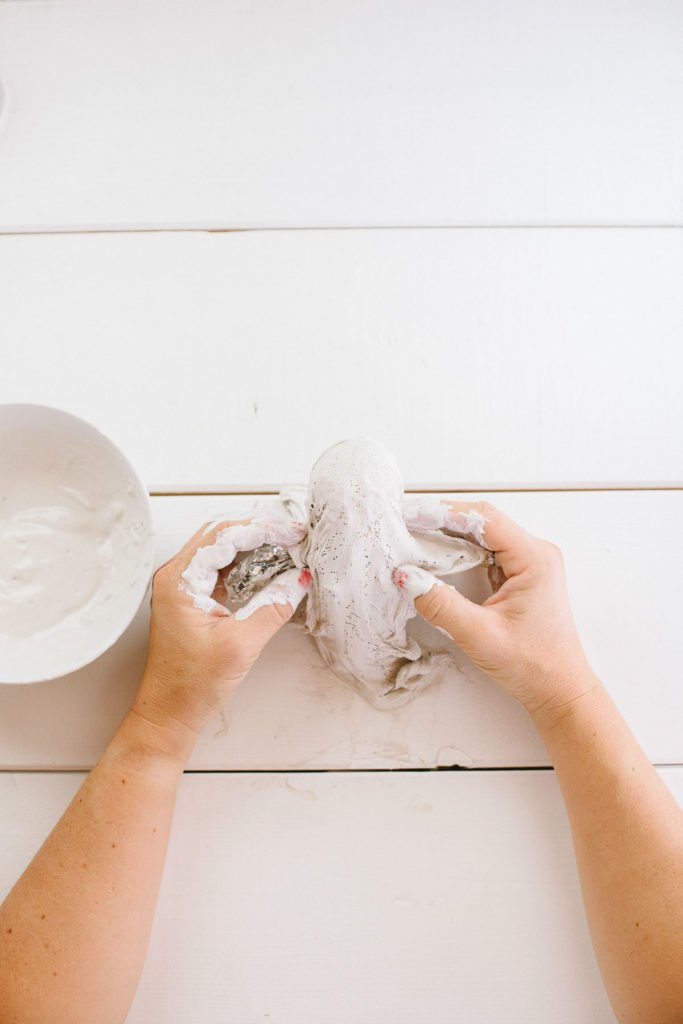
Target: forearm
628	838
74	929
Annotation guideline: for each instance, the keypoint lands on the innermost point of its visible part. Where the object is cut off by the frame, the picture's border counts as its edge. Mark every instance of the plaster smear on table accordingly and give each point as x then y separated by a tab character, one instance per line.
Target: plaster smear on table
350	530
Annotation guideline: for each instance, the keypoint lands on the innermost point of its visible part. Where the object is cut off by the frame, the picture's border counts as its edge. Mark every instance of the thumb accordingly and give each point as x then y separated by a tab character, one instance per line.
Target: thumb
440	604
277	602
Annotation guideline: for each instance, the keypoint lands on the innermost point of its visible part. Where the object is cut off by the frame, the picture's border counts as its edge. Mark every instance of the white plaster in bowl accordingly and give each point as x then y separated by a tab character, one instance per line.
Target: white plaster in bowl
76	543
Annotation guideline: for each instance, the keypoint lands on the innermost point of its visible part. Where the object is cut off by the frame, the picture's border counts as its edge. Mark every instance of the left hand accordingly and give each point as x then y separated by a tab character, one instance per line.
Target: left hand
197	659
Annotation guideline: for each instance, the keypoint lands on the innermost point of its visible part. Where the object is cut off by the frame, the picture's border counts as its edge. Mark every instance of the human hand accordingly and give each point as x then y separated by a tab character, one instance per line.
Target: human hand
197	659
523	635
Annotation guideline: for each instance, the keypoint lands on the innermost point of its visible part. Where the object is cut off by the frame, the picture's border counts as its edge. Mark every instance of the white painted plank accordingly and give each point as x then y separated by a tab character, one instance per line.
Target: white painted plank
498	356
215	113
366	898
624	555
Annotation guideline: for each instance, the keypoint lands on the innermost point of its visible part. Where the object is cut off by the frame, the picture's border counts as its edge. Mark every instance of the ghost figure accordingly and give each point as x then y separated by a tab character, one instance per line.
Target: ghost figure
339	544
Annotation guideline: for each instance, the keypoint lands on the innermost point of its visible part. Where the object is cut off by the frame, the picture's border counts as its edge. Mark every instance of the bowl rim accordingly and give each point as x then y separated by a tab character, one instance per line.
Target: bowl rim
6	406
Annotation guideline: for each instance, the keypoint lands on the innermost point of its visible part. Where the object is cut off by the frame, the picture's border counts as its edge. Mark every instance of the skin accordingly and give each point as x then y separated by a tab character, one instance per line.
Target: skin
75	928
627	827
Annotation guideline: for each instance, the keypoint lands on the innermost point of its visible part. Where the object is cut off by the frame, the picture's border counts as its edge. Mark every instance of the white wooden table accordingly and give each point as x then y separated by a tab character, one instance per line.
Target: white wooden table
505	313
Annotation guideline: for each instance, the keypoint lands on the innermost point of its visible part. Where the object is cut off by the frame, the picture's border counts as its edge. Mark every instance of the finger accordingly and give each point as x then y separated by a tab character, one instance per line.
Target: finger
205	535
216	552
275	604
426	513
514	546
220	591
289	588
438	603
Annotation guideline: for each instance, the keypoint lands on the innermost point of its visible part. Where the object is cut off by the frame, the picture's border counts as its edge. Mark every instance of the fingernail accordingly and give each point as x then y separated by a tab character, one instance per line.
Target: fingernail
413	581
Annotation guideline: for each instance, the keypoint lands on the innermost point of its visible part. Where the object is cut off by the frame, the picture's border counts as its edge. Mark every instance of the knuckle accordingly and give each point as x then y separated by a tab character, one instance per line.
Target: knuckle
488	509
161	575
552	552
556	550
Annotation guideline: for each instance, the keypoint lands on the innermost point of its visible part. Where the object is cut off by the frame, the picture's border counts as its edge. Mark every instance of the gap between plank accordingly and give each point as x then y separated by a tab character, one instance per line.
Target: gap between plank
242	490
328	771
128	229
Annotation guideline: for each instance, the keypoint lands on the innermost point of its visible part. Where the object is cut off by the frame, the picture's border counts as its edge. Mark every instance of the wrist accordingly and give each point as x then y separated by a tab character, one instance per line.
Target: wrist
169	704
570	696
161	749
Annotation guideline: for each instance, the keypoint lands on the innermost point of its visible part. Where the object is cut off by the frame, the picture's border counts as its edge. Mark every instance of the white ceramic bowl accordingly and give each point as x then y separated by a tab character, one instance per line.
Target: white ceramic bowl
76	543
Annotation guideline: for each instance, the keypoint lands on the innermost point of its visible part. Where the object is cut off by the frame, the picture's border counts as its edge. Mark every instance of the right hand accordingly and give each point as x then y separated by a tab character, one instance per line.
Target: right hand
523	635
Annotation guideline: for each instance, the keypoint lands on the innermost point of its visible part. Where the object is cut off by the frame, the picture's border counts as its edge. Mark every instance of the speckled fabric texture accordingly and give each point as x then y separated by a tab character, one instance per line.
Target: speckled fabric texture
356	526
